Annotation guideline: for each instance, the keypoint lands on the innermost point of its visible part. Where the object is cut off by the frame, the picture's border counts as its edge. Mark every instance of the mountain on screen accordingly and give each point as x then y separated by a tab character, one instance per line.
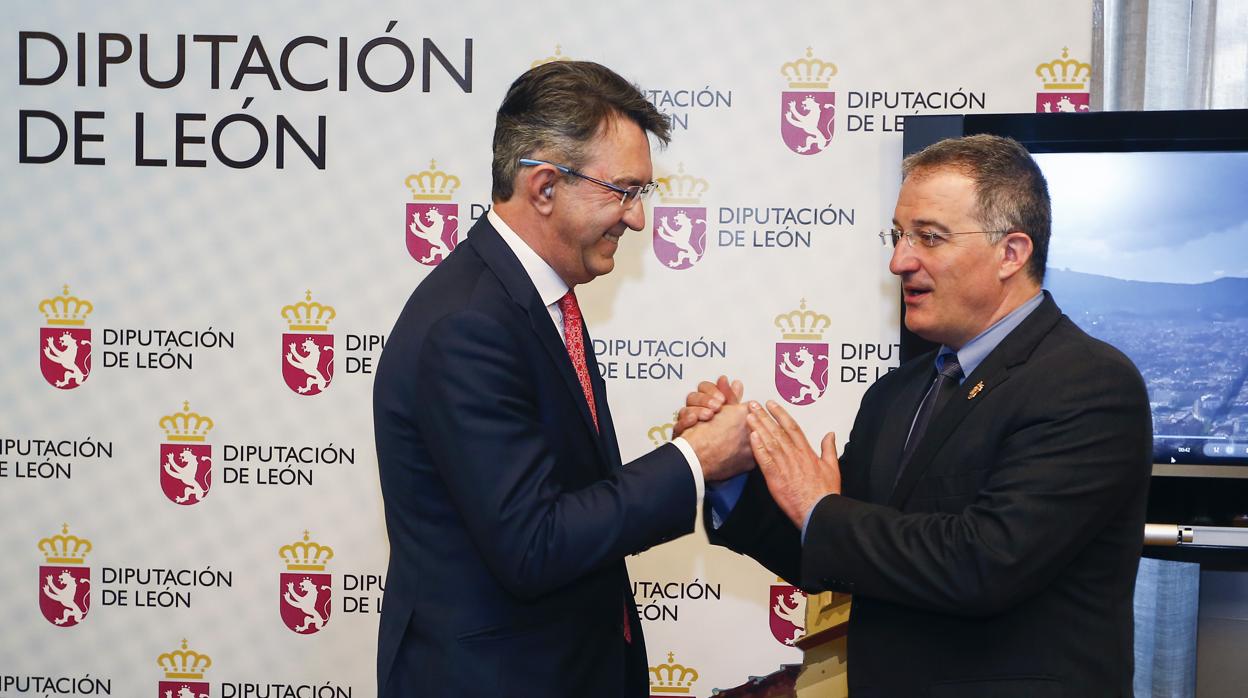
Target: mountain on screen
1078	293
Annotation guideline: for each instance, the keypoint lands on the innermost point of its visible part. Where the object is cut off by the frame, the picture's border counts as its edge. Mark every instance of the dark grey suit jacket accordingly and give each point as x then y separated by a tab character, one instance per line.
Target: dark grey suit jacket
1004	562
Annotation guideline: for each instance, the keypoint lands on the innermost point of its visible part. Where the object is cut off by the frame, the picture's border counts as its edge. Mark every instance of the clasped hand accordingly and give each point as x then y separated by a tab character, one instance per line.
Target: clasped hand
796	477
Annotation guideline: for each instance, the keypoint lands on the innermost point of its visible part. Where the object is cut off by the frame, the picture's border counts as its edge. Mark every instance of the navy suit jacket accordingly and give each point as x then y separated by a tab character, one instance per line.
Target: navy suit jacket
509	514
1004	560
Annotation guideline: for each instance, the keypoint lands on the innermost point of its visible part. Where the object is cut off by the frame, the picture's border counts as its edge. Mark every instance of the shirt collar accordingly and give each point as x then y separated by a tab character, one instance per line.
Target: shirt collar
550	287
978	349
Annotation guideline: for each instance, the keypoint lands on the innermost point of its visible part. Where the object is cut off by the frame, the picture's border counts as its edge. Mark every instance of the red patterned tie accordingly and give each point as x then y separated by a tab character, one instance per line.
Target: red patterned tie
573	334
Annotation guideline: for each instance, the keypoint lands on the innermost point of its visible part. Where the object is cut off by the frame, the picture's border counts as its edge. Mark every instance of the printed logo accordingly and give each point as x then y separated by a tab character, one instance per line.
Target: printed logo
185	460
680	230
64	344
671	678
184	674
787	615
304	590
808	108
1065	85
64	583
802	364
558	56
432	228
662	433
308	351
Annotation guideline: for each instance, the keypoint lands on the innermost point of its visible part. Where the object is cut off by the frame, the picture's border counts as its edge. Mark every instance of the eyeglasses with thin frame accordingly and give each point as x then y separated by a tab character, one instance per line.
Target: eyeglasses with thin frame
628	195
927	238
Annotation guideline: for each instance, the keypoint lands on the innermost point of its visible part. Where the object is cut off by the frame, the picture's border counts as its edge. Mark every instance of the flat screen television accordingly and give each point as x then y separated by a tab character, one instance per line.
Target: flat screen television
1150	253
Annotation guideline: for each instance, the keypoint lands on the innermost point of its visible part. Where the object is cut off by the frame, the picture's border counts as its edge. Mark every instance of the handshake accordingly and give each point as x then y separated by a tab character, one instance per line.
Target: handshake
731	437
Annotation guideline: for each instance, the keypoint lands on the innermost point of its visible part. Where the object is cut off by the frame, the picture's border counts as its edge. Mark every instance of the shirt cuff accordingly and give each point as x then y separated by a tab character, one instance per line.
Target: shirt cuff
723	497
695	466
809	514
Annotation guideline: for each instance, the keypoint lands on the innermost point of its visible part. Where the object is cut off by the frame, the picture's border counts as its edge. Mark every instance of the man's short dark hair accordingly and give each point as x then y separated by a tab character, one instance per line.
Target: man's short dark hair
1010	190
556	109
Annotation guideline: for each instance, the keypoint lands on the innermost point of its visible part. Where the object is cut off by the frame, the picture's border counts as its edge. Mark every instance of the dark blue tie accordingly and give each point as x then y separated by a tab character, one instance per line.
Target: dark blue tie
943	385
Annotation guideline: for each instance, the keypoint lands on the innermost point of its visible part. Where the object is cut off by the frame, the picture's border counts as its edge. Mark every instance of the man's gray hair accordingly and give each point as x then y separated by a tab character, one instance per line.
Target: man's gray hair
556	109
1010	190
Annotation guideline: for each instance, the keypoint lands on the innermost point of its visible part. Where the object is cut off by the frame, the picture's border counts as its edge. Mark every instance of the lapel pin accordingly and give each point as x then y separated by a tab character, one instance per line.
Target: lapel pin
975	391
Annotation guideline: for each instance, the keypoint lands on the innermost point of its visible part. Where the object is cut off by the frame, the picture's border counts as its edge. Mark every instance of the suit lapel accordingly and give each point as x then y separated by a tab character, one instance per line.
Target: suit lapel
502	261
942	426
539	319
606	431
894	427
975	391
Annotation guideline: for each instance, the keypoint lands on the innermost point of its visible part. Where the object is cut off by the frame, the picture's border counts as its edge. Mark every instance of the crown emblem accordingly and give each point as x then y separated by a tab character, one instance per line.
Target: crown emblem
184	663
308	315
803	323
808	72
64	548
550	59
432	184
1065	73
672	678
66	309
662	433
681	188
186	425
306	555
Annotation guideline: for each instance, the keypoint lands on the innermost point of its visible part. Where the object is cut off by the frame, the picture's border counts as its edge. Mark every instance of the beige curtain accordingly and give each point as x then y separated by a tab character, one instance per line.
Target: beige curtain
1170	54
1167	604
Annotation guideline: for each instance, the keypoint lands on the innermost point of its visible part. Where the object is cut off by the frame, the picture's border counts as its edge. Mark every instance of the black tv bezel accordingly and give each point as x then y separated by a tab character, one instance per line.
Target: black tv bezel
1142	131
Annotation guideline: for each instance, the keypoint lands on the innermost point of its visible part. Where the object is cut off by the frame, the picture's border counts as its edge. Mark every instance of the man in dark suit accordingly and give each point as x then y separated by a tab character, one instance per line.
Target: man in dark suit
988	510
508	510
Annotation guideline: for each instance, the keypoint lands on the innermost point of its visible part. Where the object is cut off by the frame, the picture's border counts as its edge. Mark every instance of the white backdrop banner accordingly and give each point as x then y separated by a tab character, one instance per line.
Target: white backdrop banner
213	212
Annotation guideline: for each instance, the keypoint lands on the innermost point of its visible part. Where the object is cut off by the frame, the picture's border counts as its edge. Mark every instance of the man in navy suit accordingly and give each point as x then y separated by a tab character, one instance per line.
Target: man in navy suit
987	513
508	510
